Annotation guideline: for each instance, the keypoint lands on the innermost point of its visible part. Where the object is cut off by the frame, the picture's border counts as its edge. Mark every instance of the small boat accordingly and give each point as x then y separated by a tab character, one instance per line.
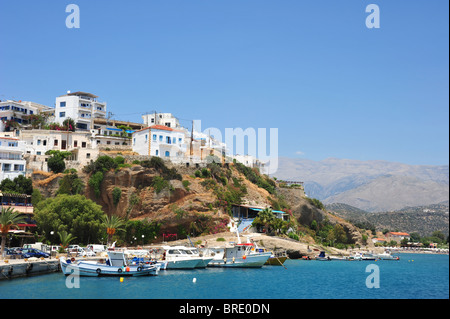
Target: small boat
322	257
115	265
239	256
177	258
387	256
276	259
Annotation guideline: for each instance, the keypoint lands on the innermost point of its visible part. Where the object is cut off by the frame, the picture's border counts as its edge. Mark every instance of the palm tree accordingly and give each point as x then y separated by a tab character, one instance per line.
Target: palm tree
112	223
265	218
65	238
9	217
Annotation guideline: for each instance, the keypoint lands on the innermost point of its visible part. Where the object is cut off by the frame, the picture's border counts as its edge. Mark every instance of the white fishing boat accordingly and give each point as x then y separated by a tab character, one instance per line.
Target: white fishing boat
115	265
387	256
178	258
203	261
240	255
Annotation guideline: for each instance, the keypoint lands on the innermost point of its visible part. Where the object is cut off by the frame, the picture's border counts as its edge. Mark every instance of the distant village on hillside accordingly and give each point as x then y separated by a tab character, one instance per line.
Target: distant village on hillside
80	124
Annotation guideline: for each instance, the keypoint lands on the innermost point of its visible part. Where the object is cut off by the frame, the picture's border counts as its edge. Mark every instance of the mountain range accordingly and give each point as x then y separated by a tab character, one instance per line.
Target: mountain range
373	186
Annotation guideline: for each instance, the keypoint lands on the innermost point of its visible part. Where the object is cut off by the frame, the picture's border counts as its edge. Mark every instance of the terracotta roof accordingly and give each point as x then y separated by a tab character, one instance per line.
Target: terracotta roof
398	234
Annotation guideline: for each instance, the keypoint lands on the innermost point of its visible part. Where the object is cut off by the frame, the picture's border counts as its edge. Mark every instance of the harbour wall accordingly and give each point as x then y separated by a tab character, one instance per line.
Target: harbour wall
21	268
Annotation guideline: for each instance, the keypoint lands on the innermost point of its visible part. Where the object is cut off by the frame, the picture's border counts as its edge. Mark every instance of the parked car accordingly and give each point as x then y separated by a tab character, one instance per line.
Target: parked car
32	252
88	253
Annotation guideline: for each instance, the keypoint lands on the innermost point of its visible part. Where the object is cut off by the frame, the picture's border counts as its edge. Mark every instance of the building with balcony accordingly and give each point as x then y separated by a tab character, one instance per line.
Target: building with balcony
165	119
161	141
12	162
82	107
14	114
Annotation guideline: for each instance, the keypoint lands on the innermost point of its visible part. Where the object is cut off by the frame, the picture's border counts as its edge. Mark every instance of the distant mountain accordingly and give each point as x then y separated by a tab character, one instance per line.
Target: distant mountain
368	185
419	219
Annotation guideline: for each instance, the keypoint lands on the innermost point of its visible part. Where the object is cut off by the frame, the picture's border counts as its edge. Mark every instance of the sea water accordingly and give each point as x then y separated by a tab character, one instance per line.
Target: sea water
414	276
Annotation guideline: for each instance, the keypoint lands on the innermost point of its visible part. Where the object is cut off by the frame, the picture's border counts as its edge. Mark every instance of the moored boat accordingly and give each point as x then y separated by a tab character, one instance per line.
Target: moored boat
178	258
387	256
115	265
239	256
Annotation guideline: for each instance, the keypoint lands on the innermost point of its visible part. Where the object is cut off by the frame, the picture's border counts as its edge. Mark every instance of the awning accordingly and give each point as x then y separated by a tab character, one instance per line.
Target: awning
273	211
114	129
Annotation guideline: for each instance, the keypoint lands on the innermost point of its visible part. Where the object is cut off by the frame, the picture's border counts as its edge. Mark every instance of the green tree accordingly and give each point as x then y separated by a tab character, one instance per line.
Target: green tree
56	162
19	185
65	239
264	219
112	223
116	194
70	184
9	218
73	213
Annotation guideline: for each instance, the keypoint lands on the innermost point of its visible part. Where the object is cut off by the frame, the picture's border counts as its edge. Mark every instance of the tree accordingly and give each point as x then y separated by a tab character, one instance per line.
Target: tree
265	219
112	224
65	239
19	185
70	184
72	213
8	219
56	161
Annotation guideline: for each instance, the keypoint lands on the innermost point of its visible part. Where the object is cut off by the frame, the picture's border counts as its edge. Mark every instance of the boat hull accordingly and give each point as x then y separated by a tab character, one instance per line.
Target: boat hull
182	264
276	261
91	269
250	261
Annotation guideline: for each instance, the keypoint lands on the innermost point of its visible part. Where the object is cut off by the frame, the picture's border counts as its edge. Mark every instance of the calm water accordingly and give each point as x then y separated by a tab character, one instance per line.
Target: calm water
414	276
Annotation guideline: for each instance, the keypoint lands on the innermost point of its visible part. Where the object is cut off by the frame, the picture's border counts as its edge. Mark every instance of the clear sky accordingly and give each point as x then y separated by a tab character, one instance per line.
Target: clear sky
312	69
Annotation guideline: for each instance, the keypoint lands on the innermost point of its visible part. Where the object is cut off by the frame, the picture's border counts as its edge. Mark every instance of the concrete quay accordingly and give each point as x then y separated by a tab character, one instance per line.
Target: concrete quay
14	268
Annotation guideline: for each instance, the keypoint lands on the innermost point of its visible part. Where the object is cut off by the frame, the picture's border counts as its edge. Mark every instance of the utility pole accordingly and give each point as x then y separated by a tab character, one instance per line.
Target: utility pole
191	152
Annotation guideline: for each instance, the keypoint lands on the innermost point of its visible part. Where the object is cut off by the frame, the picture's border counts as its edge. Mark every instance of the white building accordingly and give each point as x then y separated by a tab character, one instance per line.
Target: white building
12	163
165	119
161	141
82	107
19	112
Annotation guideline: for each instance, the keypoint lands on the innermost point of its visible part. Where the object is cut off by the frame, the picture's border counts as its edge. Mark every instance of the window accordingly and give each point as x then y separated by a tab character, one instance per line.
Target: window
167	154
146	137
62	104
134	141
62	114
44	142
174	140
83	144
38	142
180	140
157	152
168	139
55	143
75	143
160	138
88	155
152	120
154	137
167	124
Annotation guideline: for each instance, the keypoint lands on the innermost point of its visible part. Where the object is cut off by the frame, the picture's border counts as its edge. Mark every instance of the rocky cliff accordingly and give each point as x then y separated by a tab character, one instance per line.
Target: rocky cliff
193	204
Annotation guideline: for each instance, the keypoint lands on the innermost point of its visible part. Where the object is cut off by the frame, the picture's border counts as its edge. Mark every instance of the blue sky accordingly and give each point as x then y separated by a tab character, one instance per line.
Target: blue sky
312	69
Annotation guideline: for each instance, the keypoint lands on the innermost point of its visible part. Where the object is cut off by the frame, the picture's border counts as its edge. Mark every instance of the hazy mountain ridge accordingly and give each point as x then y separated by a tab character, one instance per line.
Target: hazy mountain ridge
368	185
420	219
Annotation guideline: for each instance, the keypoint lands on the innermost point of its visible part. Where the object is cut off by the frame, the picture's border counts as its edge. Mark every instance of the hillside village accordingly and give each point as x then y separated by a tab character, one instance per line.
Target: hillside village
185	182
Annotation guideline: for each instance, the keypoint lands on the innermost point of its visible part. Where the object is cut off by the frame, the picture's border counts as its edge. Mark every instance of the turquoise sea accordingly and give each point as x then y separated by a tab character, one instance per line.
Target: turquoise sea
414	276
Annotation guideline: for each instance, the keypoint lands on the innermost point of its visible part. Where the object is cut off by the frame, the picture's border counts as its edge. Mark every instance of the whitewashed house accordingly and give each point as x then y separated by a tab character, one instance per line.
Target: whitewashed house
161	141
19	112
82	107
12	163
